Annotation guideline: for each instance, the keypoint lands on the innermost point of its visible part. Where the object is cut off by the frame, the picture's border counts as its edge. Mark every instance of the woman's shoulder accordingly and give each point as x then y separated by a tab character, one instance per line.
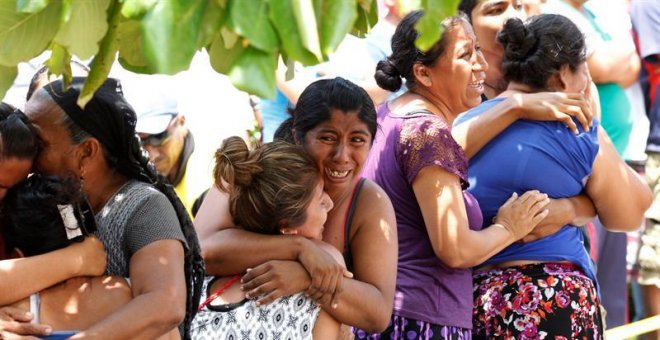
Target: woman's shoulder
372	204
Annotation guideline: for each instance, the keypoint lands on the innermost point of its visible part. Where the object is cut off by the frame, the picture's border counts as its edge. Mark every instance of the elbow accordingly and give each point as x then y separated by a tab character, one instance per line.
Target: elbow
175	312
377	322
455	259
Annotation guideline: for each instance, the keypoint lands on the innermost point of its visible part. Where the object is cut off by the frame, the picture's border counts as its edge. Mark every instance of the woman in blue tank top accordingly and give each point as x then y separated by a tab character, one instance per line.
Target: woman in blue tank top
548	286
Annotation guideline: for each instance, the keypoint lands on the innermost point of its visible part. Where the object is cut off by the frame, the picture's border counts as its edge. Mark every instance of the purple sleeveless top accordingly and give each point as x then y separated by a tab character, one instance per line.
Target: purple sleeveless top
426	289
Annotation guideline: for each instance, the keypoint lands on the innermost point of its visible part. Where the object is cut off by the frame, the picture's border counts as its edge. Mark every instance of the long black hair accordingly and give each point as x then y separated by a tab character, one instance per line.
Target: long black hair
111	120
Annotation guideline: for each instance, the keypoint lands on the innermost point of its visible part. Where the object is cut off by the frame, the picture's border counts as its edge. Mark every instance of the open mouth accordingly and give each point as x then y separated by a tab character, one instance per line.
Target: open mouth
479	84
337	173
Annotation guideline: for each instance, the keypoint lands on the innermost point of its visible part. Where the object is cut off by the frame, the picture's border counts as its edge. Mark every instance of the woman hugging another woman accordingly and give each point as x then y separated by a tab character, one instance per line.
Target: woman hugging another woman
275	189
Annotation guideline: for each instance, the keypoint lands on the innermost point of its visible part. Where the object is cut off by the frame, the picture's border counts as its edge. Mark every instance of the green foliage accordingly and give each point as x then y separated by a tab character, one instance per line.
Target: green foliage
244	38
25	35
7	76
86	26
30	6
430	25
170	31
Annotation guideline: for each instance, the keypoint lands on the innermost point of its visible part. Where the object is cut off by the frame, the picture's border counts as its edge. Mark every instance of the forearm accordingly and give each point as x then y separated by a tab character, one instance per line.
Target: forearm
17	276
478	246
614	65
363	306
147	316
474	134
231	251
577	210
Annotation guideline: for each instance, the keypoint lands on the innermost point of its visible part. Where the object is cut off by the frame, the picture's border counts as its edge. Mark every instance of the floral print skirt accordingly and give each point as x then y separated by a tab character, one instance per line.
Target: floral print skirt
402	328
537	301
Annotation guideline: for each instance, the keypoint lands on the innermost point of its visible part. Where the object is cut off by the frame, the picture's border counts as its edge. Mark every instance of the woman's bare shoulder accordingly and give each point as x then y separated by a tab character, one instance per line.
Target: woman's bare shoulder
373	205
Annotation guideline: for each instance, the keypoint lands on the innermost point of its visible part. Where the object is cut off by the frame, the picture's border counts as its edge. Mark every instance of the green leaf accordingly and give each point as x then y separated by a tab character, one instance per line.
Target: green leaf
337	20
24	36
303	12
170	34
136	9
59	63
367	16
7	76
87	26
223	53
30	6
214	17
254	72
130	47
430	25
104	59
281	15
249	18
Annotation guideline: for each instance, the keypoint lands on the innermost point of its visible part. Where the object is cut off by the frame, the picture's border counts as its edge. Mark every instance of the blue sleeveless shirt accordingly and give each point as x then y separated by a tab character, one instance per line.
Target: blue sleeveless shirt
532	155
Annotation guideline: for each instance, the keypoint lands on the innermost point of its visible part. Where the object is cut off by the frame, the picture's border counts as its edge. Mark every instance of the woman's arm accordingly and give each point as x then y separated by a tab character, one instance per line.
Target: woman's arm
577	210
620	195
474	134
79	259
366	301
159	289
440	199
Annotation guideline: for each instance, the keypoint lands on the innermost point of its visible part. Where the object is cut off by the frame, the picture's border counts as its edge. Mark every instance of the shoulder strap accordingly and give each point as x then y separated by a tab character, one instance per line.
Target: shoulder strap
347	224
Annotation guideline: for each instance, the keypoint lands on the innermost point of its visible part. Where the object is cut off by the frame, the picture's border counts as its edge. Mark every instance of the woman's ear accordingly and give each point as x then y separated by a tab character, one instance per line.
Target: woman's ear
289	231
88	150
295	137
563	78
421	74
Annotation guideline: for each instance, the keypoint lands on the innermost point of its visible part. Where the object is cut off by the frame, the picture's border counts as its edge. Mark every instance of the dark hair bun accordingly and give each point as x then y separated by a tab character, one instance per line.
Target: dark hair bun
388	76
519	42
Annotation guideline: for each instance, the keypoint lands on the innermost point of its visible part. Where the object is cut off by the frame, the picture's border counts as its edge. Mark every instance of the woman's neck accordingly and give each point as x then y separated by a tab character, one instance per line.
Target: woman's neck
100	190
514	88
425	99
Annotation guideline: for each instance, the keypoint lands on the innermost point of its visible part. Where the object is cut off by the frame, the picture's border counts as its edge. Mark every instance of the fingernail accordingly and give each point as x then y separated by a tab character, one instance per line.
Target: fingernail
247	270
257	303
28	314
48	330
247	296
334	306
242	288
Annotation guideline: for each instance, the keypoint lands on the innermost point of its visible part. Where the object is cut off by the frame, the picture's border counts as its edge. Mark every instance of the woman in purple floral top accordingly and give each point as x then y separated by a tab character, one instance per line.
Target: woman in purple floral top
424	171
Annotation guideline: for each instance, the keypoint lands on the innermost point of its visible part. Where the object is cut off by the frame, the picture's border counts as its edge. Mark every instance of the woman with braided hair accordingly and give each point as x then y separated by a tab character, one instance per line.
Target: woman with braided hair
142	224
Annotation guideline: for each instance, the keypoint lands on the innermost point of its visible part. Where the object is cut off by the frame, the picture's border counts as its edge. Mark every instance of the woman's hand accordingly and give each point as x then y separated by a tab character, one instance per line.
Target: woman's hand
556	106
14	323
89	256
325	271
273	280
519	215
